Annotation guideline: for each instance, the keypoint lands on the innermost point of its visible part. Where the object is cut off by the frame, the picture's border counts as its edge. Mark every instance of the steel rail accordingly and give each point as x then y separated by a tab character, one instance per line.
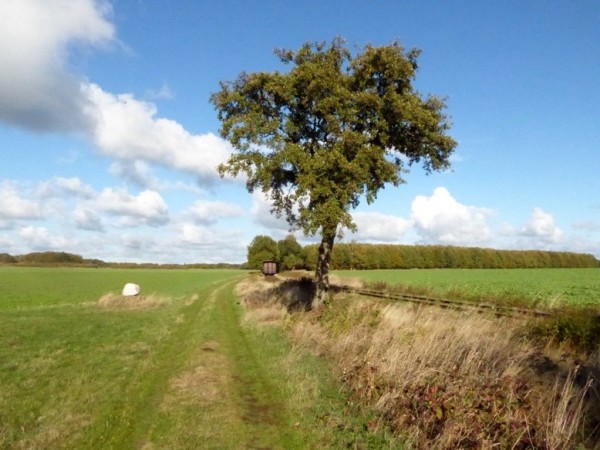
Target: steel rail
445	303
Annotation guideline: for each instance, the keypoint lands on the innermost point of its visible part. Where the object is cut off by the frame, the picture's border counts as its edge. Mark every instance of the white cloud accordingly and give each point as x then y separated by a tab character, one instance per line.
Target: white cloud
128	129
140	174
14	207
541	229
146	208
35	36
194	234
87	219
583	245
7	244
202	243
440	219
164	92
139	244
184	243
39	238
209	212
261	212
59	186
539	232
76	186
36	39
136	172
380	227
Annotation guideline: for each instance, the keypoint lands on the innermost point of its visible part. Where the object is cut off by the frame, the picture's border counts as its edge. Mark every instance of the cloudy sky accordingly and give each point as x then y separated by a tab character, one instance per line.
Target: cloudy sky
108	142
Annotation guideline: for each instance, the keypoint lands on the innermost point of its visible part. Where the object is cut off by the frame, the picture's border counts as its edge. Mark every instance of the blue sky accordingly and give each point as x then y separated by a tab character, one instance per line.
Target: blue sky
108	141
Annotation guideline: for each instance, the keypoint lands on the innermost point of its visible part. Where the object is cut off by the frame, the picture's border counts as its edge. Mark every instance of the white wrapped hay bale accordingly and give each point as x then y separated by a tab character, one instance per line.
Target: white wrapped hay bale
131	289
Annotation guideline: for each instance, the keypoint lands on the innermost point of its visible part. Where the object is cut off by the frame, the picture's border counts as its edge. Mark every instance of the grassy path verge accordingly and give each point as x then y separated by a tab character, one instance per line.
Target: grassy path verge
264	411
184	372
138	416
247	387
220	397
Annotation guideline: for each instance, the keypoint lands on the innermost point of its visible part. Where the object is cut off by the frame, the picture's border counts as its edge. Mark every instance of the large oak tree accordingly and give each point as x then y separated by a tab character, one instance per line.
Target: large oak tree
333	129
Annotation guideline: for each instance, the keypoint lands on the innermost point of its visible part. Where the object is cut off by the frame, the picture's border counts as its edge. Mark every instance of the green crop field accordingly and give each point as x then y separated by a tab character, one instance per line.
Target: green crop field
539	287
174	368
30	287
75	374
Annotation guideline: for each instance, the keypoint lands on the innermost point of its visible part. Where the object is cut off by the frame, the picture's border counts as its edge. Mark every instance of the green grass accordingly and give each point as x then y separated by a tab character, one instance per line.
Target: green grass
76	375
294	395
537	287
26	287
181	374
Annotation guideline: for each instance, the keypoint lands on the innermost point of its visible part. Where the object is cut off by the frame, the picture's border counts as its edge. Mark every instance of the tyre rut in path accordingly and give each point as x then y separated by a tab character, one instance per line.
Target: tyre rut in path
222	397
263	413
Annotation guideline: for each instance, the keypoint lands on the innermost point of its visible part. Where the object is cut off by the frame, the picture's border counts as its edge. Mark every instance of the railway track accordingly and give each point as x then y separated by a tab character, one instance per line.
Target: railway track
498	310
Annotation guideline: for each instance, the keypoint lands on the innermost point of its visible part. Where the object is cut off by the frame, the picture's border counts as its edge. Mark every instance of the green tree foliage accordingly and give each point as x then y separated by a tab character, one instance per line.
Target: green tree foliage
370	256
332	130
291	254
5	258
69	259
50	258
260	249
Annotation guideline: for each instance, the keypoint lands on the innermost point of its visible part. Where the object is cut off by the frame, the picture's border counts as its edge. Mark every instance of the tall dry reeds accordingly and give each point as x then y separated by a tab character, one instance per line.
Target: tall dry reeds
446	379
568	410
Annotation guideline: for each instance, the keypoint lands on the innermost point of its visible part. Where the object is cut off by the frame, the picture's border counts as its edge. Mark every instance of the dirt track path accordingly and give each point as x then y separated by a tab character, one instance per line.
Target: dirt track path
222	397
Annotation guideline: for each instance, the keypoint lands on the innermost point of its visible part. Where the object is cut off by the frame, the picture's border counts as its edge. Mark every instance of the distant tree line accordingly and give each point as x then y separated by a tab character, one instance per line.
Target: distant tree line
42	258
289	255
381	256
70	259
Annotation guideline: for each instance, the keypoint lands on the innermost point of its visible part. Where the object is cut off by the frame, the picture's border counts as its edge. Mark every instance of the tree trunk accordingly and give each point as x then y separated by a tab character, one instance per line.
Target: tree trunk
322	273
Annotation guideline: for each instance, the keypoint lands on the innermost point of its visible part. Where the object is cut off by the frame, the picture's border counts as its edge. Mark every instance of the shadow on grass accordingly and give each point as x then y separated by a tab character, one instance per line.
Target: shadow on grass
295	294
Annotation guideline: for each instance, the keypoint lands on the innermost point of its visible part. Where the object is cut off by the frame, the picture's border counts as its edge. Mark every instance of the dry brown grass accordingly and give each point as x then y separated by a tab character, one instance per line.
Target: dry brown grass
441	378
348	282
261	304
268	300
53	431
567	410
120	302
448	379
202	384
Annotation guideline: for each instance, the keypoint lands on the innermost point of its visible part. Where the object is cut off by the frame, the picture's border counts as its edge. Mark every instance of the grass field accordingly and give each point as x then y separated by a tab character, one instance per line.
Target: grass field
537	287
28	287
177	369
